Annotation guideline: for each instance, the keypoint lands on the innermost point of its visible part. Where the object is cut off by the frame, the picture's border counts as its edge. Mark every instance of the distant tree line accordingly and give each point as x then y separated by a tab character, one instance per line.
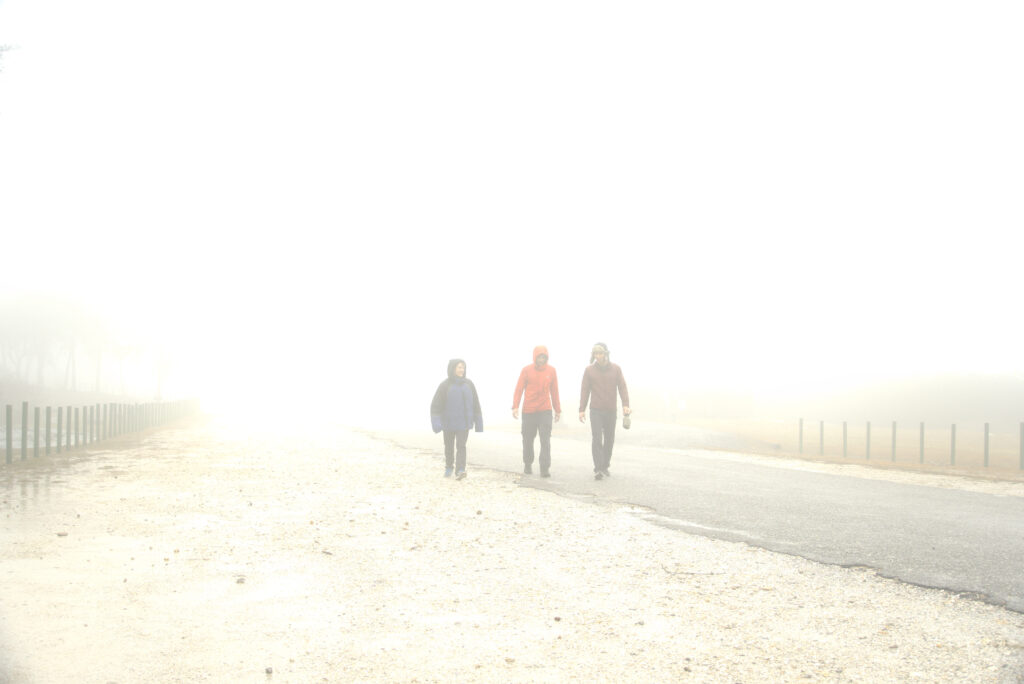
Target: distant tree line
3	49
52	343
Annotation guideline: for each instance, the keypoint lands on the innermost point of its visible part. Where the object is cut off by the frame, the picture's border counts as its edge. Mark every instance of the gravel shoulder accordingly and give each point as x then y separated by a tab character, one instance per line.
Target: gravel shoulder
201	553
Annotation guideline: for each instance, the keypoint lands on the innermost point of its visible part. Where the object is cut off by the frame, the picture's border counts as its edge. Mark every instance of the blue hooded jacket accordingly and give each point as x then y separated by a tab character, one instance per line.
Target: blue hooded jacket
456	405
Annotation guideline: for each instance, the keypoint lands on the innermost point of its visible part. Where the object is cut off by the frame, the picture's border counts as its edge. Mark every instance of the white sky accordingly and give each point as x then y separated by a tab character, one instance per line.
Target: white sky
307	196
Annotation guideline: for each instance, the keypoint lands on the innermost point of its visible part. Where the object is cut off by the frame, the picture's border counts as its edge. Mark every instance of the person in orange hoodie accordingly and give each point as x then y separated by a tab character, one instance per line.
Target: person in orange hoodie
539	383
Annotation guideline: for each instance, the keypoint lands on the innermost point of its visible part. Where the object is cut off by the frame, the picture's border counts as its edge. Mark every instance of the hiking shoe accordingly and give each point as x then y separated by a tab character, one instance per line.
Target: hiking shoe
461	475
448	472
598	475
545	473
528	469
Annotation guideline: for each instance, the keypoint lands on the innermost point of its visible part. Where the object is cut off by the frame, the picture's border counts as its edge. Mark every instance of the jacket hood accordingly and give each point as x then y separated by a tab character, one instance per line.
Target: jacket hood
451	367
538	350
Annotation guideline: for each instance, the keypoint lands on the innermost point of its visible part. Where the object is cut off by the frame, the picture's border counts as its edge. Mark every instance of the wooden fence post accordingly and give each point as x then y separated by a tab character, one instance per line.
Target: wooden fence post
49	415
986	445
920	458
867	448
35	432
952	446
893	441
24	430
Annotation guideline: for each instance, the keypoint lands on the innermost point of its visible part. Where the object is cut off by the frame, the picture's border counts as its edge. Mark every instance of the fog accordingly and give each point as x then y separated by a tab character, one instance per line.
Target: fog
760	209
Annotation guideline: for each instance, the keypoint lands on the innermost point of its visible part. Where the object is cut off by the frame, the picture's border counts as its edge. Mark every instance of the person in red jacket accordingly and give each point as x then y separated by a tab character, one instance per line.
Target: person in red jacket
602	379
539	383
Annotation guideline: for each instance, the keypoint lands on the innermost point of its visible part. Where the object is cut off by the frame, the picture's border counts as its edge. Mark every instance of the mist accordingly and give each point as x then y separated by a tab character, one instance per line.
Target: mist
762	211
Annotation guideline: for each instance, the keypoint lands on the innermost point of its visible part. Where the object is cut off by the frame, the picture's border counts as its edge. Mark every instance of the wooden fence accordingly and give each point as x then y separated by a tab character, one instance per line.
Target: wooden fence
897	442
72	427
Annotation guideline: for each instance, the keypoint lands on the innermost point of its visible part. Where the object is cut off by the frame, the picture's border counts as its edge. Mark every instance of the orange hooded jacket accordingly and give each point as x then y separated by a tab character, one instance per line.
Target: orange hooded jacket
539	386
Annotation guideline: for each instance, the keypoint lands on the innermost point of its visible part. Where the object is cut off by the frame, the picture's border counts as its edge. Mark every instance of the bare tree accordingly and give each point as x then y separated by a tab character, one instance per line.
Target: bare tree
44	338
70	372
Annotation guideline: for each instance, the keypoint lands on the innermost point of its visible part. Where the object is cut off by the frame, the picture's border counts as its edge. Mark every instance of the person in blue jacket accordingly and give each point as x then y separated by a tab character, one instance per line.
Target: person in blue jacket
454	410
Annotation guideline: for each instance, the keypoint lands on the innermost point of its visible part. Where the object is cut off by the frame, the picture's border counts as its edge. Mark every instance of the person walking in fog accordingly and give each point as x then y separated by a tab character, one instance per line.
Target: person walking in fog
454	410
539	383
602	379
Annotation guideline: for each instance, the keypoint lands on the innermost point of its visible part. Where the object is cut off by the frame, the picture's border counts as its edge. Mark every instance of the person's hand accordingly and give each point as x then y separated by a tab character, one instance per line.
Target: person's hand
515	413
626	410
557	416
583	417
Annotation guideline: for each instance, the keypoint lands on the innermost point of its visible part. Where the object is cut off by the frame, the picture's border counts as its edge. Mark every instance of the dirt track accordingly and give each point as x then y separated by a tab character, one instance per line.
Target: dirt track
202	554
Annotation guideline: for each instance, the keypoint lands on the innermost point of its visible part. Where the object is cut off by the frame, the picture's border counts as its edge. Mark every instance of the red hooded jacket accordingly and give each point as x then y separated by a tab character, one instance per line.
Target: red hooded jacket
540	387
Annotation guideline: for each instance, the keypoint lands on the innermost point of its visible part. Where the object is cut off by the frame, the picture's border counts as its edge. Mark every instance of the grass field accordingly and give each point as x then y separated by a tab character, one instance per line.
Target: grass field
826	441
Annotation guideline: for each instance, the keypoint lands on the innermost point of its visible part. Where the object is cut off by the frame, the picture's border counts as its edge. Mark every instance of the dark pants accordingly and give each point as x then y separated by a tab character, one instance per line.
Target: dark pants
532	424
455	448
602	433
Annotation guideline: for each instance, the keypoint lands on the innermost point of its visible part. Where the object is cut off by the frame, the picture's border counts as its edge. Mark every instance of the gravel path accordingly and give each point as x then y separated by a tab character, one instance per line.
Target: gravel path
199	554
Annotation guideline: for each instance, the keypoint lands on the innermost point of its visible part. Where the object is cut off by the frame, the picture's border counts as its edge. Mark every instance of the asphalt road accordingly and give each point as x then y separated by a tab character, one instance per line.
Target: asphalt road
946	538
